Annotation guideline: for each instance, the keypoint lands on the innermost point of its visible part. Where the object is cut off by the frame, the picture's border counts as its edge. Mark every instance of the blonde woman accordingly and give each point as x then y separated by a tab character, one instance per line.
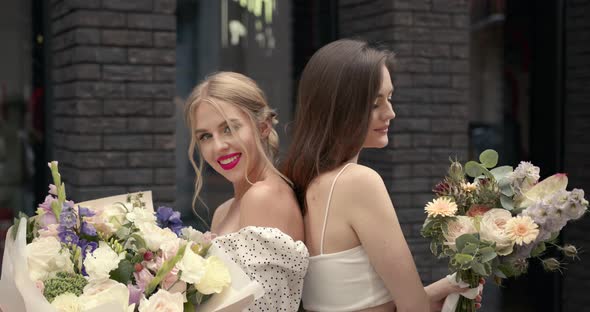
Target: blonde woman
261	226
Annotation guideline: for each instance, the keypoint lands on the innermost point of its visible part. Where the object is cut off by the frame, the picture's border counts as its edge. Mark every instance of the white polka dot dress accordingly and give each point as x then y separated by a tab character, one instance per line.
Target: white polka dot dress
273	259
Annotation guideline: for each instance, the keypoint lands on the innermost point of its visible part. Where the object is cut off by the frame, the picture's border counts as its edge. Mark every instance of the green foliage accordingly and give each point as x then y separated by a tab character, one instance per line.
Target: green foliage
63	283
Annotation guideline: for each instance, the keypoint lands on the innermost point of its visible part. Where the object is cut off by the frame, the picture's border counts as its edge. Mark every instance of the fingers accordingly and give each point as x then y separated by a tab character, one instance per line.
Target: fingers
482	281
478	299
478	305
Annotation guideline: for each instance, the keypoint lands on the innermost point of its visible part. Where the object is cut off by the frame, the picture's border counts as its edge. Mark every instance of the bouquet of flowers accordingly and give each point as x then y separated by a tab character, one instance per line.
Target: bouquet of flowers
115	254
491	221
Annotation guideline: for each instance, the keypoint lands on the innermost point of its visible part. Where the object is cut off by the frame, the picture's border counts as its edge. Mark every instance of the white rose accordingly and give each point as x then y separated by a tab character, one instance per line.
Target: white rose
456	227
140	216
108	219
170	247
105	291
192	266
162	301
155	236
191	234
46	257
216	277
67	302
491	228
101	262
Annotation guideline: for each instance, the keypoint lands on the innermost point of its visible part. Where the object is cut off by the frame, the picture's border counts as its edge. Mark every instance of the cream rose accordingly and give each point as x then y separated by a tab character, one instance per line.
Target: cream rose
155	236
46	257
67	302
192	266
492	228
216	277
141	216
108	219
106	291
458	226
101	262
162	301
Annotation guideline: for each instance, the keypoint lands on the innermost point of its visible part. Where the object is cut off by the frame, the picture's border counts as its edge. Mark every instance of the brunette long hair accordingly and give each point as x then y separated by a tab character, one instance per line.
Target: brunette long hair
336	92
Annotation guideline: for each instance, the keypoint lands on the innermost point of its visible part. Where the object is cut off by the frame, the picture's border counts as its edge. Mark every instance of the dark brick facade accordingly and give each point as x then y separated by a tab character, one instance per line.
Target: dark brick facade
576	279
431	40
113	80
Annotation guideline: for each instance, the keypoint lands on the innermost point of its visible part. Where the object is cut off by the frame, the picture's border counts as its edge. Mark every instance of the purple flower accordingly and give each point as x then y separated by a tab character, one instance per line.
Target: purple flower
68	237
85	212
47	219
88	229
87	246
46	205
134	294
68	218
168	218
52	189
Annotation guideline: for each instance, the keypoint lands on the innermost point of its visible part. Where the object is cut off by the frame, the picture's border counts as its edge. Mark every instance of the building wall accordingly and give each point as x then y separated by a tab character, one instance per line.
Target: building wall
576	279
431	40
112	84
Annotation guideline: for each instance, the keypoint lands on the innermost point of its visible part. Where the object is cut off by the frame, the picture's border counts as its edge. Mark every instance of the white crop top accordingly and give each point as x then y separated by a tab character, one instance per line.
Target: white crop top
342	281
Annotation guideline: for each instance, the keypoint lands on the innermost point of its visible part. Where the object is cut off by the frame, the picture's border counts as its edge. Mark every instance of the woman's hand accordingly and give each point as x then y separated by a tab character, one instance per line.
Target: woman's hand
438	291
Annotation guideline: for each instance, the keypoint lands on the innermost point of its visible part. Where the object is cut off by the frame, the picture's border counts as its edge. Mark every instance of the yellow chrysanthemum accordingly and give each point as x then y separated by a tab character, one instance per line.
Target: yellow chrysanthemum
443	207
522	229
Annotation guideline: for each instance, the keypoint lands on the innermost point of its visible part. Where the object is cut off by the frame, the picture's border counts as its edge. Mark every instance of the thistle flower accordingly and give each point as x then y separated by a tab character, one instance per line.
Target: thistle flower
468	187
442	189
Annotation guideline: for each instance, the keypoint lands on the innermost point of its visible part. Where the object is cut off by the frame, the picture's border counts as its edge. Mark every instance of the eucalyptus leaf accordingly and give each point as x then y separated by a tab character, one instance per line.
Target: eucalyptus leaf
501	172
470	248
473	169
506	189
488	256
478	268
486	250
463	259
507	202
538	250
462	241
489	158
500	274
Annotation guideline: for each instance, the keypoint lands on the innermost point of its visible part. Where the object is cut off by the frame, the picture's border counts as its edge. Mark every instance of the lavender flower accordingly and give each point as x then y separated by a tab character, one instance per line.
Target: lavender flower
168	218
576	204
524	177
68	237
68	218
88	229
85	212
87	247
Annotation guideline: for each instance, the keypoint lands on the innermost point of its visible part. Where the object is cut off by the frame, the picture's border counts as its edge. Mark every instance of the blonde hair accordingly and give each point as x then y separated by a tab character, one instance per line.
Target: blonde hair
242	92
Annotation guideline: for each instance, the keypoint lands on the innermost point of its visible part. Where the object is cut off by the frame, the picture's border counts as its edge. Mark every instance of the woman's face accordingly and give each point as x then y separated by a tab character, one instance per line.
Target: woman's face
381	114
219	146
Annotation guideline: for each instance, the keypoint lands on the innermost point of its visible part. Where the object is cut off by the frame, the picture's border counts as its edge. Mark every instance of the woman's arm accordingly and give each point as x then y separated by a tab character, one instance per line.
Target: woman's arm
370	212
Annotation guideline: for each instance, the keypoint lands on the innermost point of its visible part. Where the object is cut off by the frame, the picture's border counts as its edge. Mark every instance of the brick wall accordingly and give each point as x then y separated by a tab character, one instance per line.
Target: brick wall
112	80
576	279
431	40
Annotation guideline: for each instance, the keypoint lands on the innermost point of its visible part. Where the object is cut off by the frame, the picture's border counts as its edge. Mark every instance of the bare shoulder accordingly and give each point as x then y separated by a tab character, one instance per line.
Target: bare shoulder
220	213
272	204
360	180
361	186
264	195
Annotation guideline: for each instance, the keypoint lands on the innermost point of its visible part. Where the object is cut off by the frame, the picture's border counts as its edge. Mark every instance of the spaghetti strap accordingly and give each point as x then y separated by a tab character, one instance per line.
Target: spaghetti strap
328	208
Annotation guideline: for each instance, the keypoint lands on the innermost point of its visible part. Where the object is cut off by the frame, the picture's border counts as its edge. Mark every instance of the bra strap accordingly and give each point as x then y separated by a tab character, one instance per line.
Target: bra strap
328	207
